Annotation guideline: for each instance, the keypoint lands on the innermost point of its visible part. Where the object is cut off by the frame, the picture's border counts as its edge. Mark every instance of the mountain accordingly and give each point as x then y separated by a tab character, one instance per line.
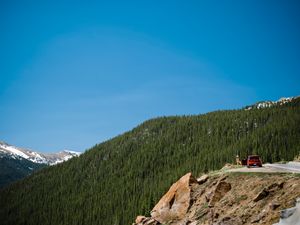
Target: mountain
16	163
41	158
266	104
123	177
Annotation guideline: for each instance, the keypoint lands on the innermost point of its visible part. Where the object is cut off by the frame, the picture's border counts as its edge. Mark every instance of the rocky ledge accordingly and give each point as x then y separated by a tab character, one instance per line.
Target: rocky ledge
225	199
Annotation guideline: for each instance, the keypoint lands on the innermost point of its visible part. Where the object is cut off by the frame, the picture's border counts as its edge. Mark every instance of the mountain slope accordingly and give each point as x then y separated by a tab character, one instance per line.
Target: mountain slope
13	169
16	163
123	177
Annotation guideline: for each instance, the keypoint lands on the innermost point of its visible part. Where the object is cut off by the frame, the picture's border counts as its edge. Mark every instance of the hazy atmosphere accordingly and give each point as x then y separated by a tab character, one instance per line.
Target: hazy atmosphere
73	75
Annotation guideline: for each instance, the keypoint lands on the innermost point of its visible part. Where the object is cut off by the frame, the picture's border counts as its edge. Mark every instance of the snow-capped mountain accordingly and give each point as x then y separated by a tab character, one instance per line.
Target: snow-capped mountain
17	163
268	104
41	158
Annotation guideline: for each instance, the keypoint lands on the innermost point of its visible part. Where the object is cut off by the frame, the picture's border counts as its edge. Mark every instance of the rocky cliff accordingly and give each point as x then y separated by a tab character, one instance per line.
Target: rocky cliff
226	199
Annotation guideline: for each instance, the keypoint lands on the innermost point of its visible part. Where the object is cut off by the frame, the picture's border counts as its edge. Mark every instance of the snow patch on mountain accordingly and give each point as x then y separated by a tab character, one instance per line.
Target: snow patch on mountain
41	158
268	104
14	150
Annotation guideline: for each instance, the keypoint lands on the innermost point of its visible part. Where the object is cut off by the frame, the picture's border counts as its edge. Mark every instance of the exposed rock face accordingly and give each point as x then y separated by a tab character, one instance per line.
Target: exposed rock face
140	219
229	221
202	179
274	205
175	203
228	199
266	191
261	195
220	191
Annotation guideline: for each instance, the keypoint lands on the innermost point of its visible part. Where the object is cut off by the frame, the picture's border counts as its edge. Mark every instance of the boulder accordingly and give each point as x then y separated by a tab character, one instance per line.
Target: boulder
140	219
174	205
202	179
150	221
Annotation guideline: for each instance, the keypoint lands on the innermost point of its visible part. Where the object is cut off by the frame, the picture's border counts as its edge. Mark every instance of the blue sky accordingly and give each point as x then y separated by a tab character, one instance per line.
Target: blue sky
76	73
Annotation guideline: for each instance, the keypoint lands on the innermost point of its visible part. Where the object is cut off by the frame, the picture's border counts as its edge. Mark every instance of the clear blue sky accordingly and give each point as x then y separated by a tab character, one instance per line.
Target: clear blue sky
75	73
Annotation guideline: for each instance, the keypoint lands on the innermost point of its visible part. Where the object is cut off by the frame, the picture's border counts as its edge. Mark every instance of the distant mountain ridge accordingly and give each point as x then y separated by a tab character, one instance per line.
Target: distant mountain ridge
17	163
41	158
267	104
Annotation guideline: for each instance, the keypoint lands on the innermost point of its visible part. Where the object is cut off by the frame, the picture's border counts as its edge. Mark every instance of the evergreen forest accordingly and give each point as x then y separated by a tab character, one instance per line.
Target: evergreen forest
114	181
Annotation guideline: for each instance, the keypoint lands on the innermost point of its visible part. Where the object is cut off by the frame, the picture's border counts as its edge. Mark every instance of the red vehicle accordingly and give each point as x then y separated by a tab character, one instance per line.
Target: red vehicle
254	160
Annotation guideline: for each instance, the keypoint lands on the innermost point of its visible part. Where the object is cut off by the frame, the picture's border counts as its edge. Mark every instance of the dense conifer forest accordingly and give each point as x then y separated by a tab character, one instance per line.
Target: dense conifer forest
15	169
117	180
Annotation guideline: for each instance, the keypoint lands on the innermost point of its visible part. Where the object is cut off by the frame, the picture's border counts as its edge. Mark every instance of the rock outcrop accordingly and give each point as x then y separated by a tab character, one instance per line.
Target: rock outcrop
228	199
266	191
202	179
142	220
174	205
221	189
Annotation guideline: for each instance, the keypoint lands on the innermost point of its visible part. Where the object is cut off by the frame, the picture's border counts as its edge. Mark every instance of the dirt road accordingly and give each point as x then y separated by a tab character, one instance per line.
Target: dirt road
290	167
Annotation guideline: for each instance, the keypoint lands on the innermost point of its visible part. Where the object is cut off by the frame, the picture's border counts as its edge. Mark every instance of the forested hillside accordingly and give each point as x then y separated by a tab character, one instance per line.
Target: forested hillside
116	180
12	169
